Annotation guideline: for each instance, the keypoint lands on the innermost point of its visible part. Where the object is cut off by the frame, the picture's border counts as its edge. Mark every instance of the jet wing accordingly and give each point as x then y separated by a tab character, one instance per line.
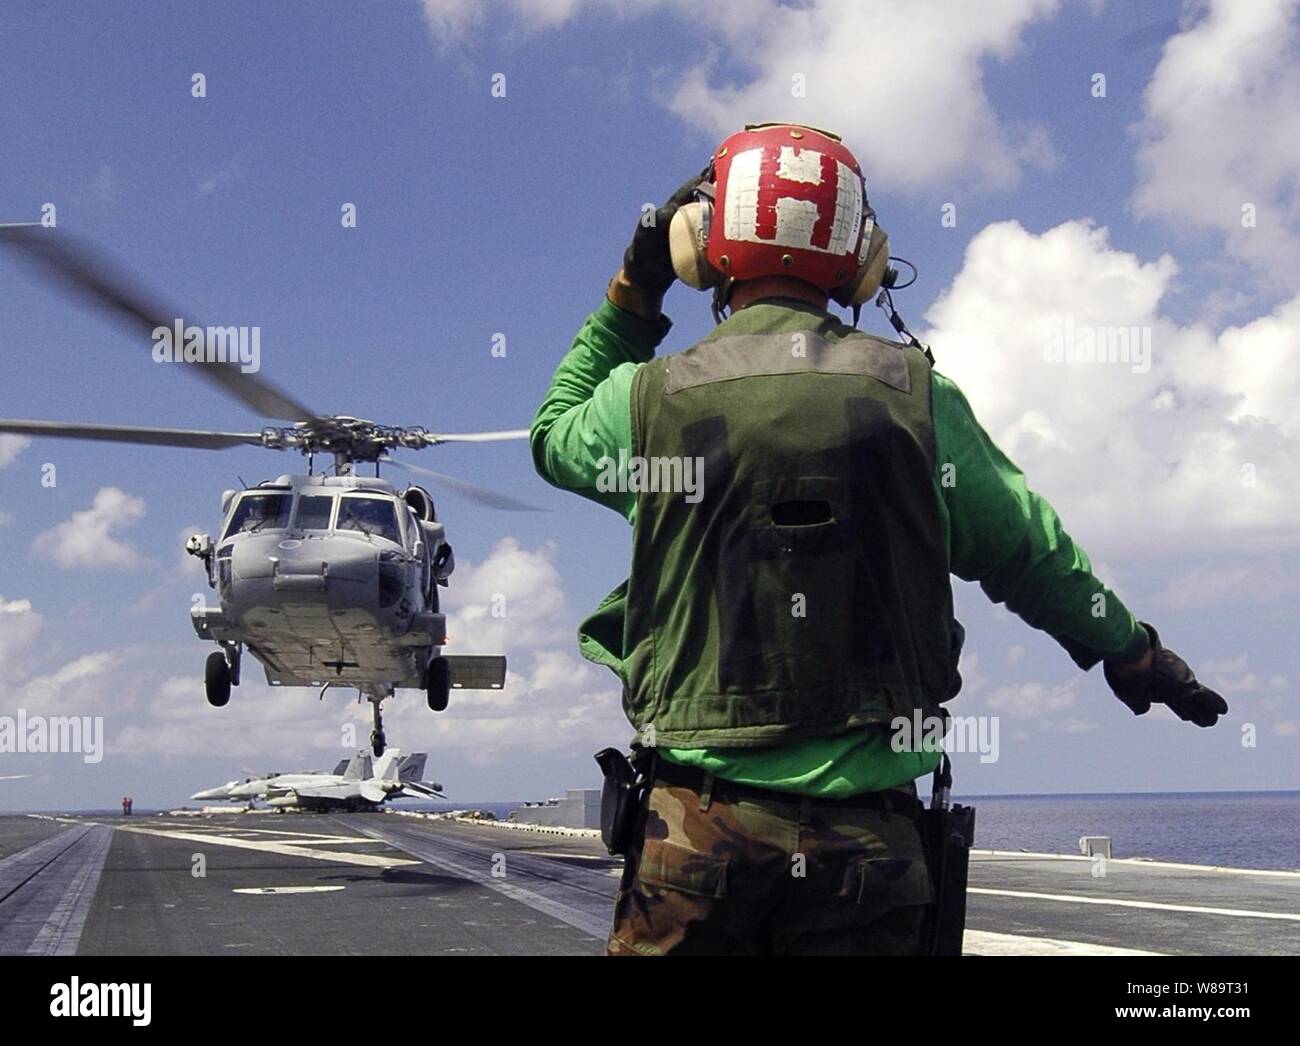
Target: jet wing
367	790
419	790
321	792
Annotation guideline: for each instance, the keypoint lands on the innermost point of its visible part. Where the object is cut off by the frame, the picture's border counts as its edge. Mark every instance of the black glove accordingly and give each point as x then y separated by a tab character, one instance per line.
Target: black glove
647	261
1168	682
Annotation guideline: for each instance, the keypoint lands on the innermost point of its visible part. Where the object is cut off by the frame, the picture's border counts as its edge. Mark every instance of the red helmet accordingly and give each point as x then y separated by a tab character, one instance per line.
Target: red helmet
789	201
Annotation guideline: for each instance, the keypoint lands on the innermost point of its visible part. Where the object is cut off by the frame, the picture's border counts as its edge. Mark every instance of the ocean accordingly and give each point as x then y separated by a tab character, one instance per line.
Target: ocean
1238	829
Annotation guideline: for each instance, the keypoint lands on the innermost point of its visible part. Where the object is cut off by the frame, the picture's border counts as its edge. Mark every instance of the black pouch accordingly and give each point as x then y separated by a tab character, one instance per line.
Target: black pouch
947	833
626	783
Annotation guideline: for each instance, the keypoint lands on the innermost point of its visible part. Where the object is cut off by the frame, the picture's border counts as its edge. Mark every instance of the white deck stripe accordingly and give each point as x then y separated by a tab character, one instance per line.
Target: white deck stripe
1239	913
62	931
287	850
592	925
1137	862
986	942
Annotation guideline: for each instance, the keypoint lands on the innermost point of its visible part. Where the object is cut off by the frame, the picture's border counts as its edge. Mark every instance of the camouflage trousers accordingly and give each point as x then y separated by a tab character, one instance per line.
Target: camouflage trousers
722	869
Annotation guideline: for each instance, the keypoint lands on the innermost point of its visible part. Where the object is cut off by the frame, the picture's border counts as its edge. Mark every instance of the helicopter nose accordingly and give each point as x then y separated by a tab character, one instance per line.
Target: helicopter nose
321	561
297	563
255	556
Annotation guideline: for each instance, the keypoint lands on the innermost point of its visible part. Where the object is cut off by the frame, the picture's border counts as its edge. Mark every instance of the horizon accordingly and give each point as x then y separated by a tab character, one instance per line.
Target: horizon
1034	199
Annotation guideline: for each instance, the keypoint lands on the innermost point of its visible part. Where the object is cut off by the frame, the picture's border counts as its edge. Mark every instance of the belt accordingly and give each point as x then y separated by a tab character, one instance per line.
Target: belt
901	800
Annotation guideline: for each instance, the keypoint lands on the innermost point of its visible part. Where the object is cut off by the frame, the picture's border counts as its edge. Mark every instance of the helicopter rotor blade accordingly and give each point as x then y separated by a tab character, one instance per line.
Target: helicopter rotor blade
475	437
99	282
195	439
482	495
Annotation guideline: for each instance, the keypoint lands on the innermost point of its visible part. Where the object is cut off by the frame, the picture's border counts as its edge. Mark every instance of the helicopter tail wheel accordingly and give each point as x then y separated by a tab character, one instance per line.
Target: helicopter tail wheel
216	679
438	684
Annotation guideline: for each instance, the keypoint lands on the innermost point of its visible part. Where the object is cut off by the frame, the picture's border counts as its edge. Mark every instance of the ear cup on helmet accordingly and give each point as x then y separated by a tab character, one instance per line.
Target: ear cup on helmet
871	269
688	239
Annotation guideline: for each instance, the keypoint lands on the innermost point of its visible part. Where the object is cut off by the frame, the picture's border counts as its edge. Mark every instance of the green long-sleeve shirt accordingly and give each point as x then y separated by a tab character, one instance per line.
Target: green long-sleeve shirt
997	532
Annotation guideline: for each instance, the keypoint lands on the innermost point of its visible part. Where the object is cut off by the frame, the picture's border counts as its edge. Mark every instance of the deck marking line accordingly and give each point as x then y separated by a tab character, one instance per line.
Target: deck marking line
62	931
1138	862
286	889
284	849
1240	913
988	942
579	920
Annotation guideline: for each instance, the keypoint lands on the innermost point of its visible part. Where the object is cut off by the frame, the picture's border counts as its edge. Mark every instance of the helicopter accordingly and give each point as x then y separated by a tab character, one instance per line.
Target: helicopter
329	578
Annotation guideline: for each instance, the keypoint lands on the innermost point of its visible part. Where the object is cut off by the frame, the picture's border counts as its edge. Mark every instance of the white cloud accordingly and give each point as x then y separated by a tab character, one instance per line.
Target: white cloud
105	186
74	687
1221	129
1219	584
1032	700
19	627
88	538
229	173
450	19
515	597
65	687
552	696
11	447
1232	677
1196	447
903	84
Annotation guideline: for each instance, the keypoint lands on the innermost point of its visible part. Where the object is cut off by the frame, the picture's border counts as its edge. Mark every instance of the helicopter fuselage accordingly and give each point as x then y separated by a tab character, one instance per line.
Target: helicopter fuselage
328	579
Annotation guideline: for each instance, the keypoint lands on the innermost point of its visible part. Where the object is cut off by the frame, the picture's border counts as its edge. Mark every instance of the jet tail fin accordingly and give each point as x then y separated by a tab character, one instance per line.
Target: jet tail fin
358	767
412	766
387	765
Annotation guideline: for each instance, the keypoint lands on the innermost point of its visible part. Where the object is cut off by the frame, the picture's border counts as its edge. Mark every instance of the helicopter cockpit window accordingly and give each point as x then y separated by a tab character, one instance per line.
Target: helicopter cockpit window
314	512
260	512
375	516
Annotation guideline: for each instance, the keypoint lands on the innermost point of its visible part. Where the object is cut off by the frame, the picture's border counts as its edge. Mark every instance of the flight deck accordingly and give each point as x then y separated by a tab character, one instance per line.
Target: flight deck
377	883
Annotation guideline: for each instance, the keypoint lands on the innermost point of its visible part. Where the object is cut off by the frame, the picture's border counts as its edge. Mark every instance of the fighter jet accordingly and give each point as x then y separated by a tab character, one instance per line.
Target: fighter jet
363	784
227	790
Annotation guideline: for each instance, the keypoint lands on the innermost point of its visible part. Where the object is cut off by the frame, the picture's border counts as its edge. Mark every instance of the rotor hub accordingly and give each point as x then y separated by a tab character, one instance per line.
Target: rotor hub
348	439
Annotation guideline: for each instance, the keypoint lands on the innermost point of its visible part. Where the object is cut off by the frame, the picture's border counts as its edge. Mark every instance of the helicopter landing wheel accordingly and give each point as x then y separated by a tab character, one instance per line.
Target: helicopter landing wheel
438	684
216	679
377	740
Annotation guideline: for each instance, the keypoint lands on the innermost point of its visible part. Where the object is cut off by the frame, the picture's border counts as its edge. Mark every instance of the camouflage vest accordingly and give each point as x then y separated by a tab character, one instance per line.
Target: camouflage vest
800	587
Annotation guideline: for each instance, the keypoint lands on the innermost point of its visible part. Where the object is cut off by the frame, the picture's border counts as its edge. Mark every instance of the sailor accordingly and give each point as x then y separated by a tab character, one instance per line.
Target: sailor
772	629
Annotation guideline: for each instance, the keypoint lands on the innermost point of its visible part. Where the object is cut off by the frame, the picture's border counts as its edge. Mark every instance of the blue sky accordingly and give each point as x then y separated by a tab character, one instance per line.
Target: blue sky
480	215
